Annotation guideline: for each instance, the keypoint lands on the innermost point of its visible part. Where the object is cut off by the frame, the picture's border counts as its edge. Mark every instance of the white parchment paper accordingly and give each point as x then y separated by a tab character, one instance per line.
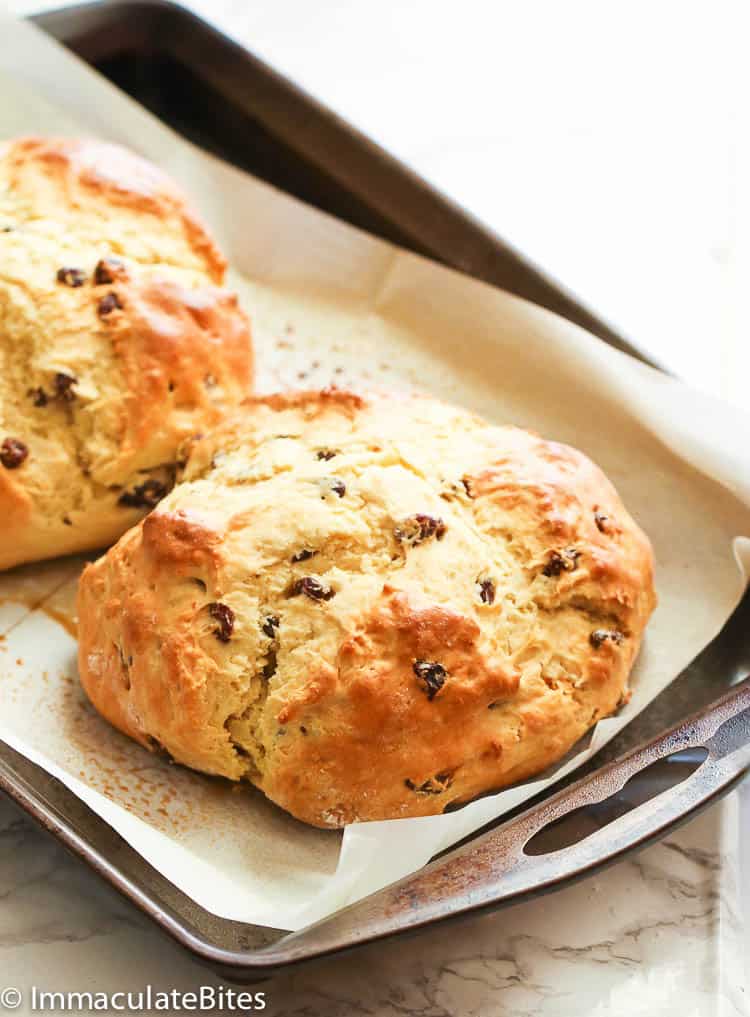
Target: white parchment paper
330	304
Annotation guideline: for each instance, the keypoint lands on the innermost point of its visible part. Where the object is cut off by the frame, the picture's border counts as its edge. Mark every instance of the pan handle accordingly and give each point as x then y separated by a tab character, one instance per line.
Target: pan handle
494	869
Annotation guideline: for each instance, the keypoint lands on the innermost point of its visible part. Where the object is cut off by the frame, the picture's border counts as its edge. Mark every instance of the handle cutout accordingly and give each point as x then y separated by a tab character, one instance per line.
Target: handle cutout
642	787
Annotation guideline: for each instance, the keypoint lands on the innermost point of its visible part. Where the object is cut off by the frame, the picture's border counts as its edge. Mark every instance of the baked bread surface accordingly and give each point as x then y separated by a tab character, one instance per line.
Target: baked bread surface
369	606
117	341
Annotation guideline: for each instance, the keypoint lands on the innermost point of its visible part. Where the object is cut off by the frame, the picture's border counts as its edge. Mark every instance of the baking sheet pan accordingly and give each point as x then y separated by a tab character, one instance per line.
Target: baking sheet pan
677	437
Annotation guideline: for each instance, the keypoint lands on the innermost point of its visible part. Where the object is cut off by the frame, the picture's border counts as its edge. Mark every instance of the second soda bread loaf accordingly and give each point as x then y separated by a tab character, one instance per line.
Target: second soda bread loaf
117	341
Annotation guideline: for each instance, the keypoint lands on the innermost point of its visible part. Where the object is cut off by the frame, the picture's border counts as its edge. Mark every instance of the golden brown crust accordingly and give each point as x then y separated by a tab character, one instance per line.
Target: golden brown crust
116	343
83	174
371	607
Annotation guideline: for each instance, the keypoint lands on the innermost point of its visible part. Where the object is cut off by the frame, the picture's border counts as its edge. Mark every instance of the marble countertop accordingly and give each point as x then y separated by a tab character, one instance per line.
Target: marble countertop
658	934
582	132
662	932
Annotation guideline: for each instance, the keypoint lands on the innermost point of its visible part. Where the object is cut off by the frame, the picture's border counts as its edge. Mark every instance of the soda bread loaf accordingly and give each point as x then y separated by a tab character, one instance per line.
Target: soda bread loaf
116	342
369	606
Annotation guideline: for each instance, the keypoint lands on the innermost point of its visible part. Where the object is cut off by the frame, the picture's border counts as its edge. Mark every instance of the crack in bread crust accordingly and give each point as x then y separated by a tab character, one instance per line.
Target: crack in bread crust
364	676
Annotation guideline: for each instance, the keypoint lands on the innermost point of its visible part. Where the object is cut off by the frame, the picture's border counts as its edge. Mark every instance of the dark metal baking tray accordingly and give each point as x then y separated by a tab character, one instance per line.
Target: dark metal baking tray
223	98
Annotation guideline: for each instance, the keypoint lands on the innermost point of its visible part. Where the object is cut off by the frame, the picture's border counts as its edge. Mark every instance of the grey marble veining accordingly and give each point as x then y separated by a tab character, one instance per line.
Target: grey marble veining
658	934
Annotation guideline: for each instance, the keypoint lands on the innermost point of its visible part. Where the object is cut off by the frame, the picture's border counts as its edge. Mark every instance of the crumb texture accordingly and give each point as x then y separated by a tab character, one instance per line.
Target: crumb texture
369	606
117	342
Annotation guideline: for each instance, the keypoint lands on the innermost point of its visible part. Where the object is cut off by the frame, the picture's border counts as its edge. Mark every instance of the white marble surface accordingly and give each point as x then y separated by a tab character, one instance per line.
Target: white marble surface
655	935
607	141
590	140
743	866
